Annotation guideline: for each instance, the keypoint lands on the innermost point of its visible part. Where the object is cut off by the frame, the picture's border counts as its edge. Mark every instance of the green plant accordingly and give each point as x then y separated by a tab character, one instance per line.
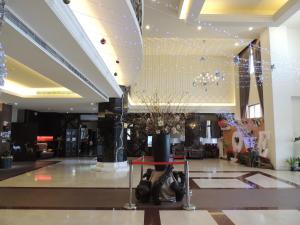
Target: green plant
292	161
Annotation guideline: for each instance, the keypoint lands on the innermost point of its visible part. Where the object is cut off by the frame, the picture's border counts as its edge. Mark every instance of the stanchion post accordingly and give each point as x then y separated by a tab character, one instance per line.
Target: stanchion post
130	204
142	167
188	205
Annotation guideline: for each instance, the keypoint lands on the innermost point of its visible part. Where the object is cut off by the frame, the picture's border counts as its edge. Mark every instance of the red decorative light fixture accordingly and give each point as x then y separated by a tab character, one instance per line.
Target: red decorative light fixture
103	41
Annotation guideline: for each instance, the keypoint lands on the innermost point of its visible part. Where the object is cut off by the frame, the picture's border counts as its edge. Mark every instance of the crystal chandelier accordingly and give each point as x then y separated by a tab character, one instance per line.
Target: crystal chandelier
3	69
207	79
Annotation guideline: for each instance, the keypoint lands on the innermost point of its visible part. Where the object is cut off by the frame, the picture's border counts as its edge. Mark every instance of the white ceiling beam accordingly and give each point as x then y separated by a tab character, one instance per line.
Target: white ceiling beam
195	10
190	9
290	8
236	20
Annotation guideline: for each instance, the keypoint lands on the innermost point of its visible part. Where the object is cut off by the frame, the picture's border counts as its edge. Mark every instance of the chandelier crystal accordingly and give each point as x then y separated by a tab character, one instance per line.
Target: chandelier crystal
3	69
206	79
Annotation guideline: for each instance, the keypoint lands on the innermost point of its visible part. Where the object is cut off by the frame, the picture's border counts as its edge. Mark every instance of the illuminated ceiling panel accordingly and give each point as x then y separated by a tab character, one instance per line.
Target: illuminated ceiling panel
251	7
24	82
20	73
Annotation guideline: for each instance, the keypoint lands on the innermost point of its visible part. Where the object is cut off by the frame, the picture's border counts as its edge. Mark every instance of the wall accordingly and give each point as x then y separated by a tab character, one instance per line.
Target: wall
280	88
170	75
268	96
296	123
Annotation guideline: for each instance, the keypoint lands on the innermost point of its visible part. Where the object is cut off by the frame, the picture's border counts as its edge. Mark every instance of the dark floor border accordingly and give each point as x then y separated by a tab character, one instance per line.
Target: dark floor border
220	218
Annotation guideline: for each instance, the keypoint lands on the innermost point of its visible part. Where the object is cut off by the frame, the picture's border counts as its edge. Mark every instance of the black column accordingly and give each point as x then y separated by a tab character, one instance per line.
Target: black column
111	129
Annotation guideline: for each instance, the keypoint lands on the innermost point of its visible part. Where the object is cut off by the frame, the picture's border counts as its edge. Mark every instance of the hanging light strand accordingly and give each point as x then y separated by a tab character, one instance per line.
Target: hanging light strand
3	69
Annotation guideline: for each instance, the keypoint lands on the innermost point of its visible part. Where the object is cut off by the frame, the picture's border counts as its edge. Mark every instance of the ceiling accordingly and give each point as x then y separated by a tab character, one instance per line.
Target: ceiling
50	28
250	7
35	70
193	46
294	21
19	73
75	105
217	18
114	21
212	27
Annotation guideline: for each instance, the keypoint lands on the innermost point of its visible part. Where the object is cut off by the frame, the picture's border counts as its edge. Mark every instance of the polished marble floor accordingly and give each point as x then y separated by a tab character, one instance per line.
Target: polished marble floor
82	173
264	217
221	183
60	188
138	217
69	217
268	182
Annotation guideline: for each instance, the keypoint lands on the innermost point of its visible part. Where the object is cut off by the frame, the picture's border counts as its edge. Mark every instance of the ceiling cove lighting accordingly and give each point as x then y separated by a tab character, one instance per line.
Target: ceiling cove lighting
225	104
22	91
185	9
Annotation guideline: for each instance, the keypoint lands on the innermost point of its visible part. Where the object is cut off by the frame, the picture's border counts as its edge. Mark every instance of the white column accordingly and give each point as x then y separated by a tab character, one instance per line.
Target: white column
280	87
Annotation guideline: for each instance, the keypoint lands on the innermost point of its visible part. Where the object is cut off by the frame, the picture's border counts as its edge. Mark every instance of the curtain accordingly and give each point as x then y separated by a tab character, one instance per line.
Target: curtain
258	72
244	81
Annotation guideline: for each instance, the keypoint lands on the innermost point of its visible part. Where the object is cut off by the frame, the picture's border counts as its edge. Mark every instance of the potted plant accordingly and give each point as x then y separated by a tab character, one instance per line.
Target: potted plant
162	117
292	161
6	160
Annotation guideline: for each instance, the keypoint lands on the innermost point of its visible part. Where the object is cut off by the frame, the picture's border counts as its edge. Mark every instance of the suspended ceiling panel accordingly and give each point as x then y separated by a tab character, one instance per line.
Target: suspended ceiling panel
256	7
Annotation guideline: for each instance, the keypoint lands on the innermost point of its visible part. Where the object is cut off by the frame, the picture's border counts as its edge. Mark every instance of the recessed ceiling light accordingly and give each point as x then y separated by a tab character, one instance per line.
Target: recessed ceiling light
199	27
16	103
236	44
92	103
71	109
250	28
147	27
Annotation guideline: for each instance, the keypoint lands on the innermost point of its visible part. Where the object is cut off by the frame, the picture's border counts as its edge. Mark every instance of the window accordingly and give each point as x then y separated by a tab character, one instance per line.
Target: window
251	62
254	111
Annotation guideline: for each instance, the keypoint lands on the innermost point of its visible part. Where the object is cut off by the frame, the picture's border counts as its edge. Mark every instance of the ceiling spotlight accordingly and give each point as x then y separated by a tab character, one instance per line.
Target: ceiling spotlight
236	44
103	41
16	103
71	109
147	27
115	74
250	28
92	103
67	2
199	28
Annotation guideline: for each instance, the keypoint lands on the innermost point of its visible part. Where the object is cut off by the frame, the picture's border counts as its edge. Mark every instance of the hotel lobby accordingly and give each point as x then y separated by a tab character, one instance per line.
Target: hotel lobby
149	112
